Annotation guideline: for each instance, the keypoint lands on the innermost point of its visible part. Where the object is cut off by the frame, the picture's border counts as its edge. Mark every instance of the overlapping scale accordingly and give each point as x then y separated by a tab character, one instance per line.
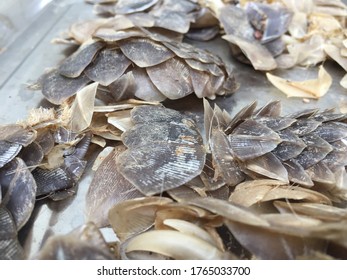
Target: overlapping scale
307	147
165	150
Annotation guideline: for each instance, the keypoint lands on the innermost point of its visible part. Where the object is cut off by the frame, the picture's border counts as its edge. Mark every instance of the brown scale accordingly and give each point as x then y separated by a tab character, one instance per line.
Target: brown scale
26	175
152	64
307	148
183	16
139	49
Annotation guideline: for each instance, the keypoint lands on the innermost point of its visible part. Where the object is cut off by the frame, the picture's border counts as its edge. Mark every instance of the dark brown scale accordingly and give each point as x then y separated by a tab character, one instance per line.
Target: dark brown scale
145	89
13	138
317	149
307	147
290	147
32	155
127	7
107	67
10	249
297	174
271	109
66	176
51	181
8	151
329	116
203	34
56	88
7	226
168	68
332	131
15	133
225	162
267	20
152	53
45	140
167	18
303	113
303	127
170	16
145	39
165	150
18	188
321	173
80	150
276	123
74	65
339	154
244	113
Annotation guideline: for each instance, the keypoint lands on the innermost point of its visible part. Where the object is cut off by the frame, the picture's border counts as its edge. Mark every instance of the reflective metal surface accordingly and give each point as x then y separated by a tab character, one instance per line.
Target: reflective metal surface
15	16
27	52
30	53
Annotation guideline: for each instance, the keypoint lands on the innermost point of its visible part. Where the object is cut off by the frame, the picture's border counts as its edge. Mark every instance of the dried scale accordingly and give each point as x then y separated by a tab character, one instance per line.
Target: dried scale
208	205
130	60
186	17
223	229
307	147
44	157
167	193
255	212
10	249
204	208
268	35
40	158
83	243
283	34
165	150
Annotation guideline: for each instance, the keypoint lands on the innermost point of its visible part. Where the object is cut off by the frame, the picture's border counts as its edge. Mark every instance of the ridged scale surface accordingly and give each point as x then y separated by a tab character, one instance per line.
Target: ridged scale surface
307	147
